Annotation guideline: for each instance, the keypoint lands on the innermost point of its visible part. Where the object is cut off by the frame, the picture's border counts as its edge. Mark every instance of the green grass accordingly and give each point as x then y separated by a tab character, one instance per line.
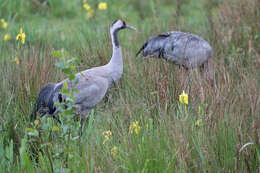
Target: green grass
148	92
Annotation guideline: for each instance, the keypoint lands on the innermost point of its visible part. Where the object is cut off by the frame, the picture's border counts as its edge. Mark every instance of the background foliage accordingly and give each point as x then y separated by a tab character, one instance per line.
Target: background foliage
207	135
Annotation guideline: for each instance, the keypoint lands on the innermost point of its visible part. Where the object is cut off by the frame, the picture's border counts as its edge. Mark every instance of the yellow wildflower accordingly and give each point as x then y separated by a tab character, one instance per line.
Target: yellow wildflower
21	35
102	6
114	151
36	122
134	127
4	23
49	144
90	14
106	135
7	37
198	123
183	98
16	60
86	6
55	128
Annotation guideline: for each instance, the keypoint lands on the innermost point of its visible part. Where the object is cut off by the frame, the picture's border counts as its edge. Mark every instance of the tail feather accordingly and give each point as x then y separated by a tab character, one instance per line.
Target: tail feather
42	100
154	45
142	48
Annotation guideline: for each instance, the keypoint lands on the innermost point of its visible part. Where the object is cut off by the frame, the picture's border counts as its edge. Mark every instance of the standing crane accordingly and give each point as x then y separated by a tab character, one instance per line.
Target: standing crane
184	49
92	84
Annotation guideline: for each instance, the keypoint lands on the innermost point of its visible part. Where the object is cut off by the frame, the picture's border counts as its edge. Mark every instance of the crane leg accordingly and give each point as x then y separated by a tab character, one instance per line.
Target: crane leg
207	67
84	114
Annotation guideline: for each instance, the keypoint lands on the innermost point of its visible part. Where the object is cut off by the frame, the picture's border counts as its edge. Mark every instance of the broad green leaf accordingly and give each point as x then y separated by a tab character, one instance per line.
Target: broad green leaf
32	132
66	70
65	91
60	65
75	90
59	53
56	53
72	77
65	85
81	74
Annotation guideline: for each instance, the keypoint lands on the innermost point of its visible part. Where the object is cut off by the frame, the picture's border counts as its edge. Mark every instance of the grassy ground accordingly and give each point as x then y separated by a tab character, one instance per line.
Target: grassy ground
207	135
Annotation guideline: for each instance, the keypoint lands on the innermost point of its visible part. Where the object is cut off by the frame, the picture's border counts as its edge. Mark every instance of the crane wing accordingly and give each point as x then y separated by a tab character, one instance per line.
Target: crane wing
91	90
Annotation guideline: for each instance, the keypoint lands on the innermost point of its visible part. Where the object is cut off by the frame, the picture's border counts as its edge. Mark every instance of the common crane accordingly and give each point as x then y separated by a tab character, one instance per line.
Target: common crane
92	84
184	49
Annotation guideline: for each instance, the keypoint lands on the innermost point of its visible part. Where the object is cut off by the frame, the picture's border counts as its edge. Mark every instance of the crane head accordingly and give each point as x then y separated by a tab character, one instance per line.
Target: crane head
120	24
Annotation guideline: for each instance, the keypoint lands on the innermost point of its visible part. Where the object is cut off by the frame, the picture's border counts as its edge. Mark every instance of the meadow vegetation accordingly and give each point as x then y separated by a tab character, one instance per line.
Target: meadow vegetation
142	125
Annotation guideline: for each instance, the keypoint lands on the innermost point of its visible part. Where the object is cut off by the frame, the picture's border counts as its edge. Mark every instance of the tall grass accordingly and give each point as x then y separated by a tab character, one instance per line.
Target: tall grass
169	139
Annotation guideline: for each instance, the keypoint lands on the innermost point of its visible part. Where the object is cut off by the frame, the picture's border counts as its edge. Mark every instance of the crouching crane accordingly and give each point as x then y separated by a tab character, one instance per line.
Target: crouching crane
184	49
92	84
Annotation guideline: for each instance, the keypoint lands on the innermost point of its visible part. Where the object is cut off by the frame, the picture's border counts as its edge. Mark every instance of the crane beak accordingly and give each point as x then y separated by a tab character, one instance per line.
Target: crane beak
130	27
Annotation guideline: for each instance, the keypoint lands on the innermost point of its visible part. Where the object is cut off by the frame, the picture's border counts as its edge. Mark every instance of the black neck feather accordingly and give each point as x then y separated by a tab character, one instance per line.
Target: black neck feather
115	37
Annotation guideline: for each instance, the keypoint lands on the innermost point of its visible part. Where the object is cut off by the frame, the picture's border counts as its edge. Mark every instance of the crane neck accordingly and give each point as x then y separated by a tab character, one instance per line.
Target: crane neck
114	37
115	64
117	52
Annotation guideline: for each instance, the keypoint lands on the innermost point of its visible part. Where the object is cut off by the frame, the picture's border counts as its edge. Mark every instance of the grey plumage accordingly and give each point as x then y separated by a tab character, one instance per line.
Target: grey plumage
92	84
44	103
187	50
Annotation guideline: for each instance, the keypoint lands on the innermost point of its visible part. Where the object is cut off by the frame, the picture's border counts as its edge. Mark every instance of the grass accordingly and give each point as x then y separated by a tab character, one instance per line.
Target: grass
148	92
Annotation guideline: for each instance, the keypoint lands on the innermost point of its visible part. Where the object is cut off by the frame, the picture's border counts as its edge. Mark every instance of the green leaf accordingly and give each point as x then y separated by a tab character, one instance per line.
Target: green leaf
68	99
75	90
65	85
57	53
68	112
32	132
75	138
258	152
81	74
65	91
72	77
60	65
71	60
66	70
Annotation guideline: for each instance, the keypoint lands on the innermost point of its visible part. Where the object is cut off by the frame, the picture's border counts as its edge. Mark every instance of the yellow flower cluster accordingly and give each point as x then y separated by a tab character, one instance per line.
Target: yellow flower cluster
4	23
16	60
114	151
7	37
106	135
183	98
91	13
198	123
102	6
134	127
88	8
21	35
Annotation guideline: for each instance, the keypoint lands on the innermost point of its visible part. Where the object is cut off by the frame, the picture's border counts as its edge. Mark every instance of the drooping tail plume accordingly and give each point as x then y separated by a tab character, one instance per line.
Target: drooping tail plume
43	100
